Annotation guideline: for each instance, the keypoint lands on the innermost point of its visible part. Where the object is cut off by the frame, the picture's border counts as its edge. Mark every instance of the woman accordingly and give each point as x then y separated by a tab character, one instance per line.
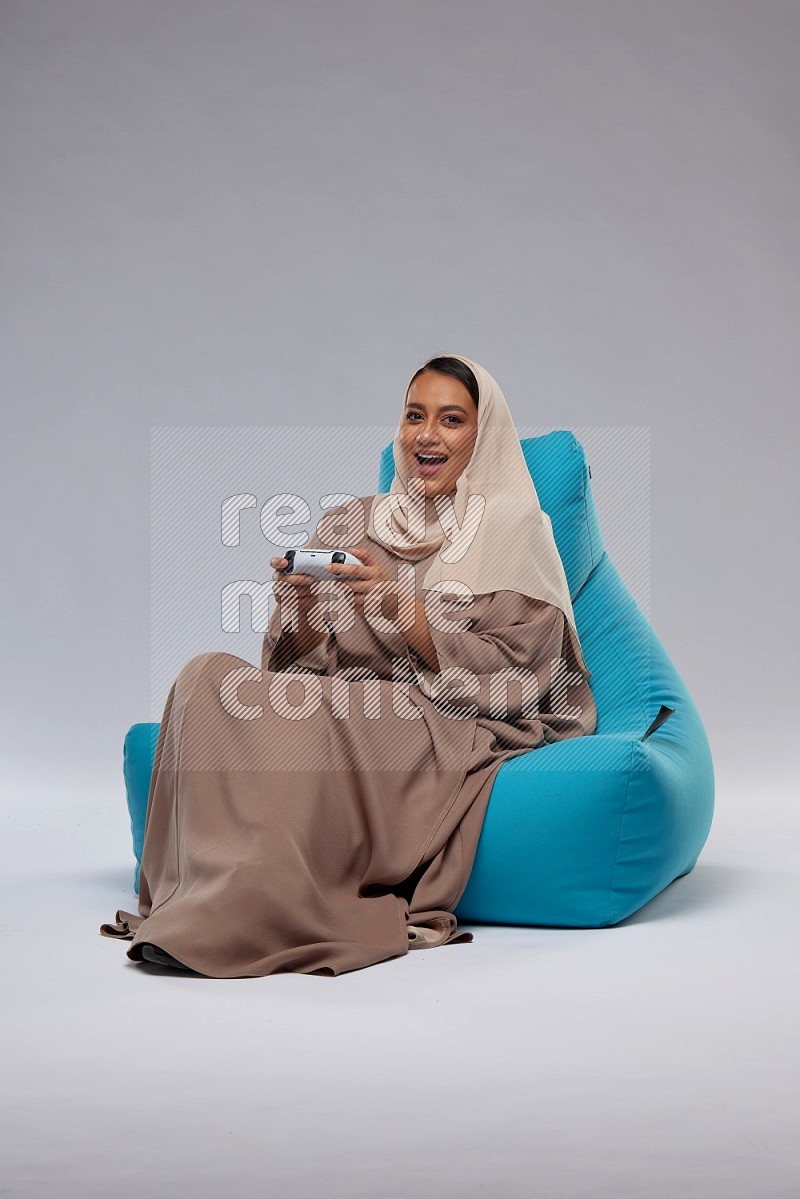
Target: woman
322	814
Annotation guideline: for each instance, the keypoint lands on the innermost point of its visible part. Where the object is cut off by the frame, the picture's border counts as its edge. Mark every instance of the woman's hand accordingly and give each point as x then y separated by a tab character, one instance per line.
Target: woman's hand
369	574
361	578
305	637
301	583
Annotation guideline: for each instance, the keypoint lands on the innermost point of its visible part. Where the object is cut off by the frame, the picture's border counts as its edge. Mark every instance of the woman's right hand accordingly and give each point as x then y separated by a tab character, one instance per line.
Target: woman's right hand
301	583
303	637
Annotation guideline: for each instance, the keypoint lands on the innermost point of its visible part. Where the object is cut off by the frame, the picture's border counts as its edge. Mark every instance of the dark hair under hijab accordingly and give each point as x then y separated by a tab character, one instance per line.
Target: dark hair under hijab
453	367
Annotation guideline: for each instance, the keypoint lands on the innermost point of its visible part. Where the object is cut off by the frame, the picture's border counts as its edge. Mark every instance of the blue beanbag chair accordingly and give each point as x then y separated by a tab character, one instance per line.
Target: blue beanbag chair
580	833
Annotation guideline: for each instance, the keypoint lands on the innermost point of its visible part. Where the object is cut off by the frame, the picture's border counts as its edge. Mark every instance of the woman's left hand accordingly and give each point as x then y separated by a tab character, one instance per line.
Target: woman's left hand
361	578
367	575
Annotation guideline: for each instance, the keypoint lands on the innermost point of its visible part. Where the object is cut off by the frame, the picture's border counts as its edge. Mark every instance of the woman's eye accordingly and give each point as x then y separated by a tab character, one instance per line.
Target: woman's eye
450	417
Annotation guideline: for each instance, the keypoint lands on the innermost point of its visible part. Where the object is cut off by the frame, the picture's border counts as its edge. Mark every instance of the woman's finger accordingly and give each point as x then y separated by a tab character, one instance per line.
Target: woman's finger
296	580
300	583
348	570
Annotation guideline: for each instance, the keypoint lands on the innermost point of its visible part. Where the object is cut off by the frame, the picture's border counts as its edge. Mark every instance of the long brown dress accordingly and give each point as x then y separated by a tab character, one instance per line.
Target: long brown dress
298	835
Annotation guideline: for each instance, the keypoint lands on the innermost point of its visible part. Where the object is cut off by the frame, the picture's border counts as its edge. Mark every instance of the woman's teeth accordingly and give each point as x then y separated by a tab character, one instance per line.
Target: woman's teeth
430	459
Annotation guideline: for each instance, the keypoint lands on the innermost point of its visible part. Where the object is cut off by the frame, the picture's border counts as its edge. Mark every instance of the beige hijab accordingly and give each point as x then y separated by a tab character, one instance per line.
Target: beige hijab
491	535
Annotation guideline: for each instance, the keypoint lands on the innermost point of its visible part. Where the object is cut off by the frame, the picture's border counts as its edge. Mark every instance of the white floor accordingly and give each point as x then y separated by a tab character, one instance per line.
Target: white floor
657	1058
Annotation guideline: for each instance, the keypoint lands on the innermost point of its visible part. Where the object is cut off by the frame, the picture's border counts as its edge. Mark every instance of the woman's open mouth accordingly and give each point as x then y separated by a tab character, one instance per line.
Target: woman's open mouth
429	464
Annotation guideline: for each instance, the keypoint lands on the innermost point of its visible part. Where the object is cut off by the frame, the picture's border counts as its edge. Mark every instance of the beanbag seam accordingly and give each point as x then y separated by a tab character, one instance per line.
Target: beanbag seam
619	835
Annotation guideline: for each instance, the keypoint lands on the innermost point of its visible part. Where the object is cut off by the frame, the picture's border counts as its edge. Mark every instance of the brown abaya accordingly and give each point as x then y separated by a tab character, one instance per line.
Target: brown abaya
329	823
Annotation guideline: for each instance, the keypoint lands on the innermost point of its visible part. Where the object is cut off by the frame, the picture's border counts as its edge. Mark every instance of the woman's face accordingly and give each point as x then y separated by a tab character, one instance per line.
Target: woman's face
439	418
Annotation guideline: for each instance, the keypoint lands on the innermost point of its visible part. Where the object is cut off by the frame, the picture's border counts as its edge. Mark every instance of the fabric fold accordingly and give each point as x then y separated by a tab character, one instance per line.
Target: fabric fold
124	927
439	931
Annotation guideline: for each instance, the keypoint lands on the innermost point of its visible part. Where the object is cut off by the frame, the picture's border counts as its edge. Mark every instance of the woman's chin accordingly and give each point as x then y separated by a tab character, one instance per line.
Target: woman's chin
435	487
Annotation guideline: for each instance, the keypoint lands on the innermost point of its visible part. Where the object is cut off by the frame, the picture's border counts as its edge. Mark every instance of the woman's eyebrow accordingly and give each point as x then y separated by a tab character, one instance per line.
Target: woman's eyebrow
444	407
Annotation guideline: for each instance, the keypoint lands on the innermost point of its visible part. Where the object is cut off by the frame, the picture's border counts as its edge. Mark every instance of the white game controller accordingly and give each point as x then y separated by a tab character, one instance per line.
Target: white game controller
313	562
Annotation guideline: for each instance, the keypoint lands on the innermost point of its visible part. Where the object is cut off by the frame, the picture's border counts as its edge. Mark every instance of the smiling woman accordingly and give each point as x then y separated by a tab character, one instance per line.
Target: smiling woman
324	837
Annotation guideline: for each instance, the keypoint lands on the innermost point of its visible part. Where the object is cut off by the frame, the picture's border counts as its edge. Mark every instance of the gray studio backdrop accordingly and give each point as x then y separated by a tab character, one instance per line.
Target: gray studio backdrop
251	215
